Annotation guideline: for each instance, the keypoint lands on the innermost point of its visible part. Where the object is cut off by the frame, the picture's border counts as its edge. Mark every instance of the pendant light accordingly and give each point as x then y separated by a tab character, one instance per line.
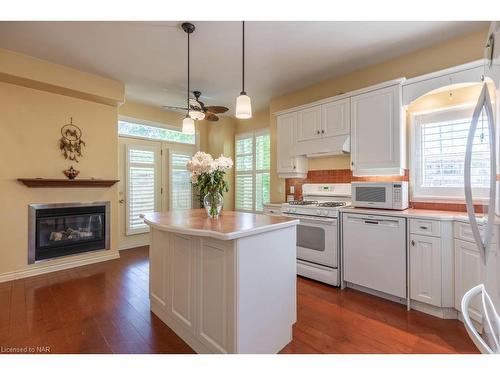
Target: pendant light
188	122
243	102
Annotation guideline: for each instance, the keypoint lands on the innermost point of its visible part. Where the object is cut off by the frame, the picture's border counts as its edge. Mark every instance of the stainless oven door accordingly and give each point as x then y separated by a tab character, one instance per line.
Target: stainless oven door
317	241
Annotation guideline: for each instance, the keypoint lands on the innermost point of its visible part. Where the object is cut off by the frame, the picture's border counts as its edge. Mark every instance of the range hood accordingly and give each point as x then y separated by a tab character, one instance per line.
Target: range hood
339	145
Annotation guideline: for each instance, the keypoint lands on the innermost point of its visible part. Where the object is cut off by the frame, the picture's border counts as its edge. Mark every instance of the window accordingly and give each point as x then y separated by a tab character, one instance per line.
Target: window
143	182
135	129
253	152
180	182
439	153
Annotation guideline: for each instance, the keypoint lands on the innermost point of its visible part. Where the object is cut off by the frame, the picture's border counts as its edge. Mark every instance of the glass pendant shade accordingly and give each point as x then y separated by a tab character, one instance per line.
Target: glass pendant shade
196	115
243	106
188	126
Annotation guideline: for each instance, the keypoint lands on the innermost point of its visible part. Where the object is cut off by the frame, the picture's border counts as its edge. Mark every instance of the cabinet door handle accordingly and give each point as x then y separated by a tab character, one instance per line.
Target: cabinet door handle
322	132
317	131
294	167
412	242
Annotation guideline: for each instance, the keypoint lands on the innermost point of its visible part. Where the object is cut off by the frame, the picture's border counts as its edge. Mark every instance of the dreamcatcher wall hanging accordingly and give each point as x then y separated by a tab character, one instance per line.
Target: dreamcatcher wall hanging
71	142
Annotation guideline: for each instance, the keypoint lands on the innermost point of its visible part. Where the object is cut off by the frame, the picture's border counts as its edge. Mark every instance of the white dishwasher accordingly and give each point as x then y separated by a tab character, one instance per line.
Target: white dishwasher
374	252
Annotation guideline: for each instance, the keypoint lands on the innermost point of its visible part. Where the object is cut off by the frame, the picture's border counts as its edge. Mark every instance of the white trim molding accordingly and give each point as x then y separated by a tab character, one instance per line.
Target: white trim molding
58	265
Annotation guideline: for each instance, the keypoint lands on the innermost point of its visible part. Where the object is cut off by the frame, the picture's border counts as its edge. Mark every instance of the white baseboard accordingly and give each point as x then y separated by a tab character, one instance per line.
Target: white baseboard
376	293
50	266
127	246
439	312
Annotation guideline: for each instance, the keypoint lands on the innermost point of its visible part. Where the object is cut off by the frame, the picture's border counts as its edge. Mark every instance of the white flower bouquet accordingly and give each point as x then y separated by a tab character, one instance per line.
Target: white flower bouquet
208	174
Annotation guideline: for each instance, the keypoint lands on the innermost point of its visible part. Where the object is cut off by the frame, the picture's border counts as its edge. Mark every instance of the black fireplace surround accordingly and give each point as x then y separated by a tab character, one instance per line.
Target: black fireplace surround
57	230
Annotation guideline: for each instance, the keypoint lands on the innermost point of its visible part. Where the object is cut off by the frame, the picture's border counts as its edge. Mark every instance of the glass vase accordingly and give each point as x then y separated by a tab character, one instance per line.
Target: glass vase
213	204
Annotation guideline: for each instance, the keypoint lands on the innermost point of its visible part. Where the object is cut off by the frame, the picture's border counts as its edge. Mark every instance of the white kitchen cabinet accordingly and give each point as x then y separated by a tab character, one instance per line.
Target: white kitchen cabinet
308	125
335	118
425	269
378	135
288	164
322	129
469	272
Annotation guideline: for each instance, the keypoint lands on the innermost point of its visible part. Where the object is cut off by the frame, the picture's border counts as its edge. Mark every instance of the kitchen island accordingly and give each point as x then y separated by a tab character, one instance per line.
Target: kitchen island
226	285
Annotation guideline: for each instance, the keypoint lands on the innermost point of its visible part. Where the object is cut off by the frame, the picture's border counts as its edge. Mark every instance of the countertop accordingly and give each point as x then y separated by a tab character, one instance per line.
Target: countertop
229	226
413	213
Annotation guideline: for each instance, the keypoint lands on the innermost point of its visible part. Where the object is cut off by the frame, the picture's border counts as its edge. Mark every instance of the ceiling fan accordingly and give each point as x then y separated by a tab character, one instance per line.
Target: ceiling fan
198	110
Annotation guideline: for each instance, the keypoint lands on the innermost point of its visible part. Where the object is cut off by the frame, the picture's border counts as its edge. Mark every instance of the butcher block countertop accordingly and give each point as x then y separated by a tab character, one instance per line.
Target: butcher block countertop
229	226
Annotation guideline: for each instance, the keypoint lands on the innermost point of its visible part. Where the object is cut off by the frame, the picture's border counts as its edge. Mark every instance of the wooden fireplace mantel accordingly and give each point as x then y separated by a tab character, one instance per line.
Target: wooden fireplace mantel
66	183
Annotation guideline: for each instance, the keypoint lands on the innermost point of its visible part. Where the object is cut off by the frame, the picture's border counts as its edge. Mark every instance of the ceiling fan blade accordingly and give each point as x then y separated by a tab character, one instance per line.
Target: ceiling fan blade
211	117
174	108
216	109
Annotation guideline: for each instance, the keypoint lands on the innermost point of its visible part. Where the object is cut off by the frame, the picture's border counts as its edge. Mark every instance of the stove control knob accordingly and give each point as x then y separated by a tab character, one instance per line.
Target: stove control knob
318	212
325	212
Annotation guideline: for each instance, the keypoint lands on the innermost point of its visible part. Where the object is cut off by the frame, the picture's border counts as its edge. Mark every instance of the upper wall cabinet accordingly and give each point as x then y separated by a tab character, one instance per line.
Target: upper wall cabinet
289	165
378	137
322	129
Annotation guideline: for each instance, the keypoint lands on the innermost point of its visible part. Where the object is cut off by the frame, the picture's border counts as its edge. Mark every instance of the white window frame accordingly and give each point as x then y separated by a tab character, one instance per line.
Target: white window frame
156	149
254	171
418	194
157	125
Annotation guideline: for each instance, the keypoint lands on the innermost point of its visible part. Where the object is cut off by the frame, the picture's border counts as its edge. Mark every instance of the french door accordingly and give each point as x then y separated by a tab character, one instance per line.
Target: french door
153	178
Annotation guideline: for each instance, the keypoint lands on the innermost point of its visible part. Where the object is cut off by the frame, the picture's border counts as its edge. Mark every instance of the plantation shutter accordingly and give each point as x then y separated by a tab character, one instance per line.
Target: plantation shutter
142	185
252	171
262	168
244	173
180	183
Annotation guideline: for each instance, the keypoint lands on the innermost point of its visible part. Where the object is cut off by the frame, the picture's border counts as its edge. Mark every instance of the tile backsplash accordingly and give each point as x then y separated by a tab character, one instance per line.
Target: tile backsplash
345	176
334	176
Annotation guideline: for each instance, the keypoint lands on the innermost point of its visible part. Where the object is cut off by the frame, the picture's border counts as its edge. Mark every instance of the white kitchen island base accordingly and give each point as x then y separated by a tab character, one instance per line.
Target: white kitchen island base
226	296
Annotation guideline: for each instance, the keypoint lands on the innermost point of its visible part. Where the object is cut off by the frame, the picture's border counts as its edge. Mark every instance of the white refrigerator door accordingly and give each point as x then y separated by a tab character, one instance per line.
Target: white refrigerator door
484	103
490	291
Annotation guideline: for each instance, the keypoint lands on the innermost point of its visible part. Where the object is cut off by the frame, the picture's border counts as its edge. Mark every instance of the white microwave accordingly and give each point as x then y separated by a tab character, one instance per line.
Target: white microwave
387	195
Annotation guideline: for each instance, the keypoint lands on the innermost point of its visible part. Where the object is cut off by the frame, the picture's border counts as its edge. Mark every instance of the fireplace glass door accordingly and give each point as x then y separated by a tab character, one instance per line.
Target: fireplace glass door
68	230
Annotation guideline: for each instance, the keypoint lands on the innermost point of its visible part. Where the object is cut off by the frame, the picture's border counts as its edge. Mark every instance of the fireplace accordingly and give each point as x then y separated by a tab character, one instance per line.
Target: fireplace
57	230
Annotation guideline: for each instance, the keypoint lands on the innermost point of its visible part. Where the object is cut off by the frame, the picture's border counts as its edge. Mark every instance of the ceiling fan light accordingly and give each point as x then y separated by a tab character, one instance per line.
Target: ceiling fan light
243	106
188	126
196	115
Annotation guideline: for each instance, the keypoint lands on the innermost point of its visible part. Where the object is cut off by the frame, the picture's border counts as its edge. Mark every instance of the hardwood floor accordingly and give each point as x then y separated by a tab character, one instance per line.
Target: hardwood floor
104	308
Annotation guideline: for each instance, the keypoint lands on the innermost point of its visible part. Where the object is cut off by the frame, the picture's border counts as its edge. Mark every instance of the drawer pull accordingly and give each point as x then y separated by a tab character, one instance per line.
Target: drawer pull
424	227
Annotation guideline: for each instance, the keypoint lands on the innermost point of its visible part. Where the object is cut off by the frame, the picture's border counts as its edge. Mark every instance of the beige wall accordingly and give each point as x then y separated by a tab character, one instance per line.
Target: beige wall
259	120
221	141
454	52
30	123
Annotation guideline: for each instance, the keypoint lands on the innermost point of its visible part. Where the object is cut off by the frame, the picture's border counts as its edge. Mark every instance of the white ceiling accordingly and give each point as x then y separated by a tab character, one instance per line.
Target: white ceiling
150	57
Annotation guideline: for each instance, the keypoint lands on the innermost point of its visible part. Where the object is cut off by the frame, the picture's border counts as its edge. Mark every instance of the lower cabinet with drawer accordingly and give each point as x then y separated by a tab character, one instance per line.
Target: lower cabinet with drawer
431	267
471	270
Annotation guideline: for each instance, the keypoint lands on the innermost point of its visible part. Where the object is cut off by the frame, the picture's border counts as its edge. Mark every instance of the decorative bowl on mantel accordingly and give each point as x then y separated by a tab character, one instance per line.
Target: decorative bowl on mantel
71	173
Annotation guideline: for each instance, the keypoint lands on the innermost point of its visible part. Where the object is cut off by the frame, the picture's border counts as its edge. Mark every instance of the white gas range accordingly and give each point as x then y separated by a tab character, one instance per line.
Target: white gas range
317	233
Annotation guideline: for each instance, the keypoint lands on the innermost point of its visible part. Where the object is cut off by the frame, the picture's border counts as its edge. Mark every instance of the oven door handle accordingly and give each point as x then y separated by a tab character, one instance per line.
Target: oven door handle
309	218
